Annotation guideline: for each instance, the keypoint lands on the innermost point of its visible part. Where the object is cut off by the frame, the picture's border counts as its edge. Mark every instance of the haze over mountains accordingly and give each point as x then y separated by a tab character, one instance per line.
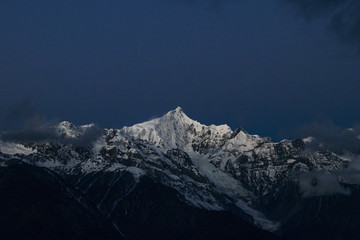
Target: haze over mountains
174	178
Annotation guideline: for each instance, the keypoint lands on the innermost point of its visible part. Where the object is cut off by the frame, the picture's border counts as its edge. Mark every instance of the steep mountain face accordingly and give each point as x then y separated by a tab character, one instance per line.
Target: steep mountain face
177	174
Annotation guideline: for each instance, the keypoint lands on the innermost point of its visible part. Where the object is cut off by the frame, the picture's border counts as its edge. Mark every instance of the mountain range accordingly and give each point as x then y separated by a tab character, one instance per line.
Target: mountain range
173	178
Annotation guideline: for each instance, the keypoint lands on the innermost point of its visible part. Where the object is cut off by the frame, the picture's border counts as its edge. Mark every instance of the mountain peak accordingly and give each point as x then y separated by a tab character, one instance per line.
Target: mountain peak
178	109
177	115
69	130
176	130
176	112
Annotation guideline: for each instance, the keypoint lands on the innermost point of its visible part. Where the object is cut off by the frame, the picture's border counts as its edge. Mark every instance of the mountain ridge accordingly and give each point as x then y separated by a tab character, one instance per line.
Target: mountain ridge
211	167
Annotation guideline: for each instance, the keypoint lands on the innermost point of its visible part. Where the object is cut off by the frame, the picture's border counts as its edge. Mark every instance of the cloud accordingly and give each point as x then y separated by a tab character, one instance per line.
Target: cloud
23	123
27	134
351	174
342	16
320	184
90	135
19	114
327	136
48	132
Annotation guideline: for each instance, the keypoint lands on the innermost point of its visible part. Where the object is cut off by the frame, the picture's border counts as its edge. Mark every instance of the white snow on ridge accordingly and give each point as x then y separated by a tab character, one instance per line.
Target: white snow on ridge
169	131
144	131
223	182
227	185
243	142
176	130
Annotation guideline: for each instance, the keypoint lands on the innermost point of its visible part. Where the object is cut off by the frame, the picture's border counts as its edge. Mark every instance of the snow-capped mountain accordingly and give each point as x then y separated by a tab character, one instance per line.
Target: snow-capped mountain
211	168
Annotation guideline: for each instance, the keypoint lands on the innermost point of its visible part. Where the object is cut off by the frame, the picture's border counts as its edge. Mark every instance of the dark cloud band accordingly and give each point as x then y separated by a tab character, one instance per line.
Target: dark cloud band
343	16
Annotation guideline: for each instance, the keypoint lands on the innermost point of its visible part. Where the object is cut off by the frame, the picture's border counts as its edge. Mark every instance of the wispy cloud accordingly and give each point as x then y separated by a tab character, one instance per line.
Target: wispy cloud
328	136
24	123
320	184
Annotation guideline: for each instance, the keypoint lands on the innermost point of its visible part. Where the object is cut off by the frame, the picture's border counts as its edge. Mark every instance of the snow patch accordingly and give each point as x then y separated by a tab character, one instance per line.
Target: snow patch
229	186
223	182
291	161
136	172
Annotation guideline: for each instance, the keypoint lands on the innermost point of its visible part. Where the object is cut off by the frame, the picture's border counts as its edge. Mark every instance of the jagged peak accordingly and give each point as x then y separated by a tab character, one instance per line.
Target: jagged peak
178	112
178	109
70	130
177	115
66	124
176	130
72	125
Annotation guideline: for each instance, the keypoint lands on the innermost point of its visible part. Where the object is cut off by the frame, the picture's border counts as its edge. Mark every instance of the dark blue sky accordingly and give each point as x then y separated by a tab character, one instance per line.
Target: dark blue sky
268	66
